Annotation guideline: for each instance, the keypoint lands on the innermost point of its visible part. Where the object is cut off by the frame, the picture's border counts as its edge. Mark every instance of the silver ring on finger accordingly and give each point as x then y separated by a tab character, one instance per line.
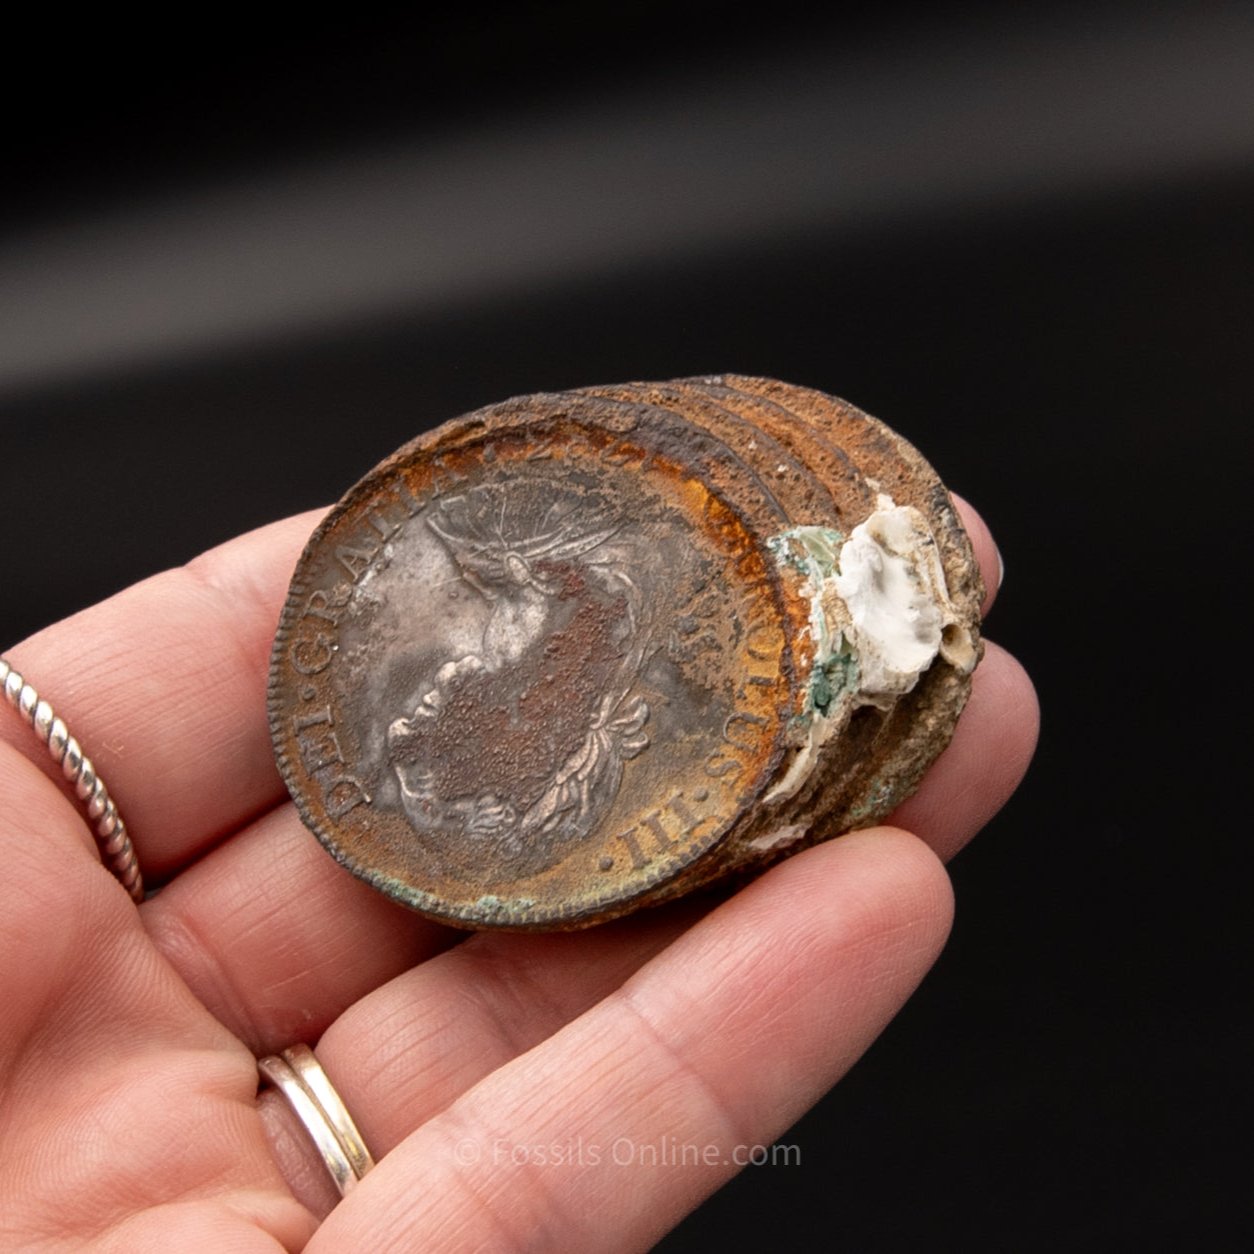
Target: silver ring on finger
298	1075
113	840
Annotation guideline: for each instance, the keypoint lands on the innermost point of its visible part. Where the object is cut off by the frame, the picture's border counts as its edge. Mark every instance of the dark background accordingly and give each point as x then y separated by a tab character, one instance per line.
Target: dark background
239	265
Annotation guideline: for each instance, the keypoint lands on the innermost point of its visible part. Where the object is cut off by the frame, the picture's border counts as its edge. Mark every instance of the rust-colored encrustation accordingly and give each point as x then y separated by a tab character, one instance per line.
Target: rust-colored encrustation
557	659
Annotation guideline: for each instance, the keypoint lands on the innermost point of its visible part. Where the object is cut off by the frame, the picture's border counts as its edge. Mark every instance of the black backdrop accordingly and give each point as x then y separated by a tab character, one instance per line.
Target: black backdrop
1050	294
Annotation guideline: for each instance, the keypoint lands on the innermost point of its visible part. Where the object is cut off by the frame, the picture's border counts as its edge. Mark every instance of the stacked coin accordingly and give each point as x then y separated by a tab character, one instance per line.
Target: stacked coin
581	652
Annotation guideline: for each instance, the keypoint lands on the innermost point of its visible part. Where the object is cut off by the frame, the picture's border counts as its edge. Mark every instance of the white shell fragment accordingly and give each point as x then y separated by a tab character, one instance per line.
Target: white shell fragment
880	614
892	586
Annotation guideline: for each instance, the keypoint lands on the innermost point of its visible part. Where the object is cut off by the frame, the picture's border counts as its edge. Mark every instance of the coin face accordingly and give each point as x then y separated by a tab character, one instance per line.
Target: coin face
534	667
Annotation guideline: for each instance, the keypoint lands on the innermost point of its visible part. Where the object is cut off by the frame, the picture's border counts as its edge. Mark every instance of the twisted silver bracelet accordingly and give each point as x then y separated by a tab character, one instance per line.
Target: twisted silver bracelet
116	849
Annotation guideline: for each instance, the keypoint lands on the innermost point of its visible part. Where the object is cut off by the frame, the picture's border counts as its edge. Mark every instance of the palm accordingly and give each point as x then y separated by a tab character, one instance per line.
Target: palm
129	1038
129	1100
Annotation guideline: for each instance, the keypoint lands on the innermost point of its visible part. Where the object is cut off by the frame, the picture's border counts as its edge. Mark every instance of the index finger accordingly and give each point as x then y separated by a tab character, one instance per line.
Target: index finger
164	685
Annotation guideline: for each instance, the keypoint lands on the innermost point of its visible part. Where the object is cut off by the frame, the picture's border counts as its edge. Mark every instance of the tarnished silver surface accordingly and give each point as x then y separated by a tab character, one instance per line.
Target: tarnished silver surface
110	831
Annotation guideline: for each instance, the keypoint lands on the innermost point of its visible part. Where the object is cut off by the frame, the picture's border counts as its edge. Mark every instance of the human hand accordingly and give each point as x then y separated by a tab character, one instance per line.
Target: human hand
128	1080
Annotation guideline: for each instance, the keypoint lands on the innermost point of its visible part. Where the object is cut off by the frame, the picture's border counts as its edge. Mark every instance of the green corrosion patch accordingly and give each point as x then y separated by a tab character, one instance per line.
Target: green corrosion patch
834	676
815	553
810	550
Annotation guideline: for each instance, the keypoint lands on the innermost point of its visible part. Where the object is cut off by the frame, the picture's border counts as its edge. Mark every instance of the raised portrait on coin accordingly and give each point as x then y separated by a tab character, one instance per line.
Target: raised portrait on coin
548	688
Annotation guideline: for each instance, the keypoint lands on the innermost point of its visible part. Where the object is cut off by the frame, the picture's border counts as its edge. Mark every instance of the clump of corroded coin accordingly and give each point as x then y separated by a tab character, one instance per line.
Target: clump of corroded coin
578	653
